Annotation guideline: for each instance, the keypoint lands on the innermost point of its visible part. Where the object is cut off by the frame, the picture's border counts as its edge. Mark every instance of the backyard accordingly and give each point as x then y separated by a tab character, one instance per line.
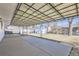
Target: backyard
63	39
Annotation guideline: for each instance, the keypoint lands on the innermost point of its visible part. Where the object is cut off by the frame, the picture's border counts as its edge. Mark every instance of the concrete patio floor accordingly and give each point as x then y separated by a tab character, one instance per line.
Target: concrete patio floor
16	45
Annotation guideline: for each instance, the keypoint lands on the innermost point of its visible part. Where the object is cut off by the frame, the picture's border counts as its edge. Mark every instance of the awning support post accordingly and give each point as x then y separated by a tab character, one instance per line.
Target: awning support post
41	30
70	26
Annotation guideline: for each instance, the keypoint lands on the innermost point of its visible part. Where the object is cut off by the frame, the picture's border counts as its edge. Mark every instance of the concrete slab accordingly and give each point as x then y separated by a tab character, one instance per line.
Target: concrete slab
50	47
13	45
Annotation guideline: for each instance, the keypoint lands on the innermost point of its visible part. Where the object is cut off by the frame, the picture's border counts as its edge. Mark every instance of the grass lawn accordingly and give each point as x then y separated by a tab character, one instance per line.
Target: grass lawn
70	40
74	40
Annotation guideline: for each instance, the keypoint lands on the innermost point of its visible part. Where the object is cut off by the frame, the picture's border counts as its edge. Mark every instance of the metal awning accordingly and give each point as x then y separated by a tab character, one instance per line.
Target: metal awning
27	14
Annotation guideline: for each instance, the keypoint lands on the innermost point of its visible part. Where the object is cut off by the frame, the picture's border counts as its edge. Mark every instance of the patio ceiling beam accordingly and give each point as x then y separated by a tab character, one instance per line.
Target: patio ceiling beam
17	7
39	11
32	19
27	9
33	16
56	10
76	8
62	8
49	9
35	11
